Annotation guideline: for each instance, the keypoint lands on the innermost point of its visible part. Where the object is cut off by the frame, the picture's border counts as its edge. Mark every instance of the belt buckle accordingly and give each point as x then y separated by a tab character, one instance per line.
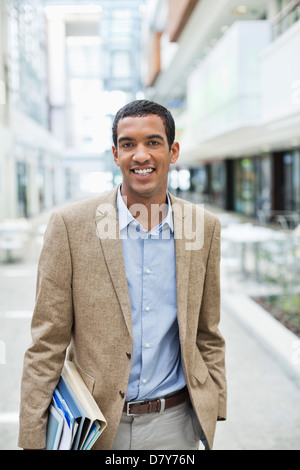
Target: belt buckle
132	403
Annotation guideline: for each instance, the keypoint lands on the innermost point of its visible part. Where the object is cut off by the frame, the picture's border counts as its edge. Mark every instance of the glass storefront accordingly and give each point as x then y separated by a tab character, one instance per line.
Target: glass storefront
266	183
199	180
217	184
252	185
291	193
209	182
244	200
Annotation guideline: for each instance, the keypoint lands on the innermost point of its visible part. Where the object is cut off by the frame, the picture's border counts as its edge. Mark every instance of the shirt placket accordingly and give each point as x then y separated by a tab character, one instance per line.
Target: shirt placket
147	312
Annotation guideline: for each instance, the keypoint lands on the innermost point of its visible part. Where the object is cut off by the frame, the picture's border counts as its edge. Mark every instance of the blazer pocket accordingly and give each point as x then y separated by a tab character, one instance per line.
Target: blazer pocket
200	370
88	379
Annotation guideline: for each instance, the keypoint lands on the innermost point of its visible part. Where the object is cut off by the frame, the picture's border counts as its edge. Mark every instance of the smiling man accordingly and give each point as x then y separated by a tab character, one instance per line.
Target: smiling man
138	313
144	150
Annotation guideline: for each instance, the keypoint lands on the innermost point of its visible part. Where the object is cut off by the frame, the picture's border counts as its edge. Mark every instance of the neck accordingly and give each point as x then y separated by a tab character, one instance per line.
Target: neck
148	211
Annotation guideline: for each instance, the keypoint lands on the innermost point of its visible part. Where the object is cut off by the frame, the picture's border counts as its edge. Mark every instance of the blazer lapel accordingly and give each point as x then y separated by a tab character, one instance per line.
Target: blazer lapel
109	236
183	259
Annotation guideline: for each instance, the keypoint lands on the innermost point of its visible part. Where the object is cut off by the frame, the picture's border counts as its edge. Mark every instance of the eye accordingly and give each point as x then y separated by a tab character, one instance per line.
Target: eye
154	143
127	145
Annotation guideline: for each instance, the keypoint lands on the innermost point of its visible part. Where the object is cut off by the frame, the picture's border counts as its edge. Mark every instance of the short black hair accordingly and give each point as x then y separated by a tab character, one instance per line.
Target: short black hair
141	108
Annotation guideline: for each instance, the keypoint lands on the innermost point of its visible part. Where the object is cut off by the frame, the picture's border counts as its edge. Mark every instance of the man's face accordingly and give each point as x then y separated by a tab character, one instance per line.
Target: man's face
144	157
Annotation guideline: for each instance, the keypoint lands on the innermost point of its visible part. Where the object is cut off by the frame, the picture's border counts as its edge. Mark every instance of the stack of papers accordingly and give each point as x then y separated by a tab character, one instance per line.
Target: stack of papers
75	421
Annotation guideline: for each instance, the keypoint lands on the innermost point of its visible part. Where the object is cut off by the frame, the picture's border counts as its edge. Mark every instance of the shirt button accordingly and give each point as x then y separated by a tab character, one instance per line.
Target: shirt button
147	309
148	271
144	381
147	345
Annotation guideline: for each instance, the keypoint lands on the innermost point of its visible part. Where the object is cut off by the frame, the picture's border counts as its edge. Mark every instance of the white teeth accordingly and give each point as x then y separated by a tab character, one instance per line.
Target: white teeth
143	172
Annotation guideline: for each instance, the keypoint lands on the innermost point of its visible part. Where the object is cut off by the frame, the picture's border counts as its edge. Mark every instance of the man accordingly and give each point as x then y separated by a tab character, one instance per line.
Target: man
128	285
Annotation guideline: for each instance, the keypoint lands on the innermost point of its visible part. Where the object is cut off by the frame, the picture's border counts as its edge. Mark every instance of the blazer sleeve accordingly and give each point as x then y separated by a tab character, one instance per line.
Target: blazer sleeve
209	340
51	334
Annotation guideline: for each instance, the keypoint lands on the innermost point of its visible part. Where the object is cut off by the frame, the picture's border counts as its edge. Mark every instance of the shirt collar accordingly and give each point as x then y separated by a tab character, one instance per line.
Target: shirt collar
125	217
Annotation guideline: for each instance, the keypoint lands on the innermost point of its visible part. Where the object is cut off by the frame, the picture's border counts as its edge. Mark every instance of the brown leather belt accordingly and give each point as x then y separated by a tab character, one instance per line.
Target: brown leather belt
159	405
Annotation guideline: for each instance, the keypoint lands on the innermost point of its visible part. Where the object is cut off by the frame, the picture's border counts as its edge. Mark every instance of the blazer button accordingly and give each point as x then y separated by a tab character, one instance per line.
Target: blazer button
128	355
122	394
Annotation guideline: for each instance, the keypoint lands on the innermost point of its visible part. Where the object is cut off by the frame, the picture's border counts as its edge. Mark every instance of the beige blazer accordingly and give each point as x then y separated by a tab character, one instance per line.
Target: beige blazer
83	308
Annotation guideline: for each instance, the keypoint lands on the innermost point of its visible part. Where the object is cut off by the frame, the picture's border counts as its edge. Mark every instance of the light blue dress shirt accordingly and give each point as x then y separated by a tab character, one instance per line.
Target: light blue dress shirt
150	266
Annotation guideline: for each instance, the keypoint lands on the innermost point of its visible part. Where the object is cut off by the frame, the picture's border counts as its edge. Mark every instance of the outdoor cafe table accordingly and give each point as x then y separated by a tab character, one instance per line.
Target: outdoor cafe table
250	235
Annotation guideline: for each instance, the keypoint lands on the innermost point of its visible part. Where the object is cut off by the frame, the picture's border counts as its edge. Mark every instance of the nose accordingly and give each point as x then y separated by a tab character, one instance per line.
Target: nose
140	154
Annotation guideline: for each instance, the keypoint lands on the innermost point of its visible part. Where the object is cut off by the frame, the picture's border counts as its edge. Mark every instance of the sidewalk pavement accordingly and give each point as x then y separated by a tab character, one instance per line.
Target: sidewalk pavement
263	361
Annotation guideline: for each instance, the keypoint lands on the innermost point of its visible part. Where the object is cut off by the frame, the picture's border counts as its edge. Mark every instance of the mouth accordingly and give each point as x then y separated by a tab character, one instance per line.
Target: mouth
143	172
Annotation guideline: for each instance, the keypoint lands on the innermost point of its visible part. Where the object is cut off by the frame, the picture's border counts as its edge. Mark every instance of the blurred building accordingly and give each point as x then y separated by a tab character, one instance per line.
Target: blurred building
230	71
66	66
31	168
95	67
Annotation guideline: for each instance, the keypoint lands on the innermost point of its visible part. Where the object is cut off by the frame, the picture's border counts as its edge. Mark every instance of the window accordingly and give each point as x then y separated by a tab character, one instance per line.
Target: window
264	183
288	15
27	58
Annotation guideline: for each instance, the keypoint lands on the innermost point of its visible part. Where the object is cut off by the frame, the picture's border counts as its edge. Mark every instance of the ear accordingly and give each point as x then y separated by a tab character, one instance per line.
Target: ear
174	153
115	154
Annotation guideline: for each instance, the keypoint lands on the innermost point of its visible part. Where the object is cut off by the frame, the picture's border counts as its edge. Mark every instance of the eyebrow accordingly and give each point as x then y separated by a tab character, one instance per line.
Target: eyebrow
149	137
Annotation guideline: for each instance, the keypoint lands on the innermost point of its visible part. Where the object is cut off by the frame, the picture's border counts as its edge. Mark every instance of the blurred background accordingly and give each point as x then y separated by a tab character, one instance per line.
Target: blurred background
229	71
